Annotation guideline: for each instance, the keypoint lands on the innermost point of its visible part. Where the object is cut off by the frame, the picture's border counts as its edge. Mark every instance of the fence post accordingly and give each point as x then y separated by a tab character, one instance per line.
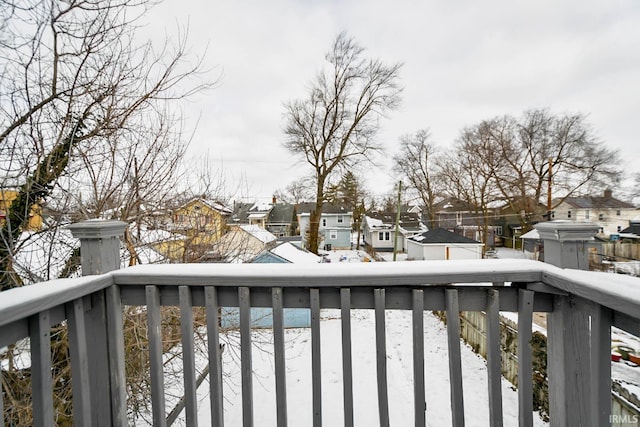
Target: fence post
578	335
100	253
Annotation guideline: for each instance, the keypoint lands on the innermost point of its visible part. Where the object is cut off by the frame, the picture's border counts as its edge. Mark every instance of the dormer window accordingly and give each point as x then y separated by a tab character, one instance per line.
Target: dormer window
340	219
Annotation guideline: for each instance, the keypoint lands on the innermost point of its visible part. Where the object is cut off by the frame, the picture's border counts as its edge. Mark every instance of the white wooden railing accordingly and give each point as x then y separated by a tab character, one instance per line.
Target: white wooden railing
581	306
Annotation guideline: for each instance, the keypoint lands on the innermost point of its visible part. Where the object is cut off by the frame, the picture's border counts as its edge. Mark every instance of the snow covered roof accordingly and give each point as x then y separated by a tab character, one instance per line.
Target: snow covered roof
259	233
532	234
294	254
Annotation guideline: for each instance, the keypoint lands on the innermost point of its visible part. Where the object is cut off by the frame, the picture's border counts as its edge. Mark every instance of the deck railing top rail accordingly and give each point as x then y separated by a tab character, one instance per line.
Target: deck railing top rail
618	292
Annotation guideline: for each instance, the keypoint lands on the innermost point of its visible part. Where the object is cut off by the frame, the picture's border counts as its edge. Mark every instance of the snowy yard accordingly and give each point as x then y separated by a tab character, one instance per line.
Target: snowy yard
399	365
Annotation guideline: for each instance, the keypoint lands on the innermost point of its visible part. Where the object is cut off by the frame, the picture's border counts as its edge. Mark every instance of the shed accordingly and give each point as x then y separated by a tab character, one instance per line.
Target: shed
441	244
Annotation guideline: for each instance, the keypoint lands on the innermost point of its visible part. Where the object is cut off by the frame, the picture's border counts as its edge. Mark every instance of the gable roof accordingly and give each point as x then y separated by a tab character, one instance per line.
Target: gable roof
597	202
211	204
383	220
440	235
281	213
327	208
259	233
452	204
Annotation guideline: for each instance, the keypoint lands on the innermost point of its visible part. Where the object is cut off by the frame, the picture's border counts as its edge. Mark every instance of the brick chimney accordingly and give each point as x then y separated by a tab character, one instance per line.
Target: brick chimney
608	193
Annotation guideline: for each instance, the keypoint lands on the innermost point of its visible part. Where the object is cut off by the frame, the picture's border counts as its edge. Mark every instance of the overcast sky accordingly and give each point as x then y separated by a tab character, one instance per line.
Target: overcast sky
464	61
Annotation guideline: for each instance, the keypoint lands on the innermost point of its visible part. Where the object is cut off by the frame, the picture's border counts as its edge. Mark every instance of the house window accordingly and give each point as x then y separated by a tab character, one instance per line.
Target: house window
324	222
586	214
383	235
340	219
618	212
601	217
568	214
333	234
619	228
498	230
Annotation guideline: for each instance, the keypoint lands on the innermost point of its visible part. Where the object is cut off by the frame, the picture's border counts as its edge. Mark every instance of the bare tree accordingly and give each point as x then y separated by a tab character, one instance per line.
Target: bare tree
83	103
468	172
297	191
74	77
526	152
335	125
418	163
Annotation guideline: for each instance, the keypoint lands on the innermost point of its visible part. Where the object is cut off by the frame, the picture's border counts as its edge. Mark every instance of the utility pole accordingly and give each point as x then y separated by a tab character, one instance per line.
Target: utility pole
395	236
549	184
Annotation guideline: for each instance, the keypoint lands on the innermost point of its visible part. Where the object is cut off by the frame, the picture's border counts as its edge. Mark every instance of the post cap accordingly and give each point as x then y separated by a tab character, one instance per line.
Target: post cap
97	229
567	231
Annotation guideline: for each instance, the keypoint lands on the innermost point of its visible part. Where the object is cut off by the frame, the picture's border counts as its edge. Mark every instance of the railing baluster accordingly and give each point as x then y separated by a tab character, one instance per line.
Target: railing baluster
347	364
215	363
41	381
79	363
188	355
418	357
381	357
246	368
115	343
601	318
1	400
494	370
455	360
316	365
525	370
279	359
155	355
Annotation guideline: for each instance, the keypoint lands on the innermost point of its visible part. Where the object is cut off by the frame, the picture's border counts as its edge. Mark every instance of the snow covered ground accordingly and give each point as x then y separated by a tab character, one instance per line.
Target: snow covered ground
399	365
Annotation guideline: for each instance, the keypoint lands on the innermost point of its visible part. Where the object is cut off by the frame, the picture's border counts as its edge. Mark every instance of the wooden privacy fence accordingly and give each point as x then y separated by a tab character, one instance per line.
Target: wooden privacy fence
474	331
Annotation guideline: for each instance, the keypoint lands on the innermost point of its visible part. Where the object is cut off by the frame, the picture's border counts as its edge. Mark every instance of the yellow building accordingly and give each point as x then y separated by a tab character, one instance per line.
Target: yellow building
196	226
7	197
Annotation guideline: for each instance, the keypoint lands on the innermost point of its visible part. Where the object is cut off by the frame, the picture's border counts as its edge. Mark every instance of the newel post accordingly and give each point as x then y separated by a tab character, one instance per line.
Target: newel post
100	253
578	335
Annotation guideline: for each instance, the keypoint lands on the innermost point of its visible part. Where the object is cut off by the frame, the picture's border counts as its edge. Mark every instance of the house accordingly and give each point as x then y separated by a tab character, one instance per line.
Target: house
7	196
201	216
512	220
441	244
282	220
379	229
286	253
195	227
466	219
242	243
334	231
276	217
611	214
282	253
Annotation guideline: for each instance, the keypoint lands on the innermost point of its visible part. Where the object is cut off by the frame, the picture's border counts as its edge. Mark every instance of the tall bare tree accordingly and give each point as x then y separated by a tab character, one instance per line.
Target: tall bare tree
335	124
468	172
75	78
418	163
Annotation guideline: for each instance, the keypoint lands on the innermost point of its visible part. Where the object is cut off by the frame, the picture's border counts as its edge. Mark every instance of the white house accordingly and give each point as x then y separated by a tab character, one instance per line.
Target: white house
441	244
611	214
379	229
